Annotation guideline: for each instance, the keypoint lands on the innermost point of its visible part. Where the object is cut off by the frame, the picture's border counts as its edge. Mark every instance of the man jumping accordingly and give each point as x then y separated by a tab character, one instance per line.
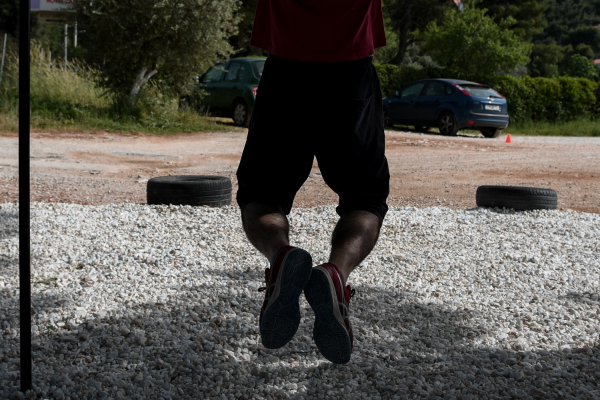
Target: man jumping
319	96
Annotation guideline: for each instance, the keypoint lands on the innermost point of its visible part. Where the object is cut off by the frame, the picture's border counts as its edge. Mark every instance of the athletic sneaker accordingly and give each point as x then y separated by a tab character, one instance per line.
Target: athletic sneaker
330	300
280	313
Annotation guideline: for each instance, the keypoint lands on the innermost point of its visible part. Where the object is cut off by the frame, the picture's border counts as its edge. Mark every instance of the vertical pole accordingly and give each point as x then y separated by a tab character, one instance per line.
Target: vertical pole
66	43
3	53
50	59
75	36
24	199
41	57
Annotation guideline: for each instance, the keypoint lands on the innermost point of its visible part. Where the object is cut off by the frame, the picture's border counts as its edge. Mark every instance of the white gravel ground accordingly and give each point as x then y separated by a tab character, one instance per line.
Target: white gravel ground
133	301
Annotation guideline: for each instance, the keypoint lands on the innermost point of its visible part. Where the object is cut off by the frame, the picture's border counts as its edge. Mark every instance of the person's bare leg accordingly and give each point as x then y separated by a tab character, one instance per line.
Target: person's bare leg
353	238
266	227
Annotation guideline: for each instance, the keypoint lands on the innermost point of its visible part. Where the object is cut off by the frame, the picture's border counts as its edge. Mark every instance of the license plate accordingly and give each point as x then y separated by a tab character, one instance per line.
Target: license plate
492	108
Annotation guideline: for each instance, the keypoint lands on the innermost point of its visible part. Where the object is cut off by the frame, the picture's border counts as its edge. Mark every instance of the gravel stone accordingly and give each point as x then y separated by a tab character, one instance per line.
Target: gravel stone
136	301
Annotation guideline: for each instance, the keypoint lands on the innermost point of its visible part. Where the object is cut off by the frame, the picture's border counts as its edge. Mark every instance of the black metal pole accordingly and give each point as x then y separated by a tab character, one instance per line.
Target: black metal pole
24	197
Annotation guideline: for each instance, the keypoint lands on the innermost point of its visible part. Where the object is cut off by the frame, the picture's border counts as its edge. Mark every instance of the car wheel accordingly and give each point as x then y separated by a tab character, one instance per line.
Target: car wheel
491	132
516	197
241	116
191	190
421	128
447	124
387	121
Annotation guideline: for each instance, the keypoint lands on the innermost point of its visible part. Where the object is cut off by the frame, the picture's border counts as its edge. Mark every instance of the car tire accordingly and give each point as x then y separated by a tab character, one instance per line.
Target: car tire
190	190
240	114
491	132
516	197
387	121
447	124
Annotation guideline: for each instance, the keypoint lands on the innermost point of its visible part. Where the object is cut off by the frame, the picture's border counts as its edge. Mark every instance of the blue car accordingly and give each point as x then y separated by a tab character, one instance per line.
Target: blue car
448	104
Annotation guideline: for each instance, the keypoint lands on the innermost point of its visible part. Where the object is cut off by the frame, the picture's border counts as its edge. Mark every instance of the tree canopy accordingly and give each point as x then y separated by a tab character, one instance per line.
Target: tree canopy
407	16
528	15
141	38
471	45
567	16
9	17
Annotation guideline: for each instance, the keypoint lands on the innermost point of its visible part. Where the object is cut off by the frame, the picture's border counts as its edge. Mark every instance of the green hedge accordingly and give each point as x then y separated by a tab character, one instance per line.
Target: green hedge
529	99
545	99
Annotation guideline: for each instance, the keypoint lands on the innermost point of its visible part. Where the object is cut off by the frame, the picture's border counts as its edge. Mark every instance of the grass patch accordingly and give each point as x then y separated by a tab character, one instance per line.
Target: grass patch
578	127
68	99
103	120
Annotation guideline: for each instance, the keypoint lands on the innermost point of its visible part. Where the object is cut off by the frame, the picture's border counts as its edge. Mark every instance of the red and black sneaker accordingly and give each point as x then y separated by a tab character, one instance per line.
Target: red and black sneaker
330	300
280	313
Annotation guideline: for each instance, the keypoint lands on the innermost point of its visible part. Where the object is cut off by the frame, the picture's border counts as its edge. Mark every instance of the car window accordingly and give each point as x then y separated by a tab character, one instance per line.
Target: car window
413	90
215	74
242	73
258	67
481	91
233	71
436	89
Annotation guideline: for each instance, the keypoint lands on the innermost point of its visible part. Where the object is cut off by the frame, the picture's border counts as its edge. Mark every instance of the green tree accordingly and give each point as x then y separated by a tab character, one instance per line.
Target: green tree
471	45
581	67
588	36
528	15
406	16
545	59
241	41
142	38
9	17
565	17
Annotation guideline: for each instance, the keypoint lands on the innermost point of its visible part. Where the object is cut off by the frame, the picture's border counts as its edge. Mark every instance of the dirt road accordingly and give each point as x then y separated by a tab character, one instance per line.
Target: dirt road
427	169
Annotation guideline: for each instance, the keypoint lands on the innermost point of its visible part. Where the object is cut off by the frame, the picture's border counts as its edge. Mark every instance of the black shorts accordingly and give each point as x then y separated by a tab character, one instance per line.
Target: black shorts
329	110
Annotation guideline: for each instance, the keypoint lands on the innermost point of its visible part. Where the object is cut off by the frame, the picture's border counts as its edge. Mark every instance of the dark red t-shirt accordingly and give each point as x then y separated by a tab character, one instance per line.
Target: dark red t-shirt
319	30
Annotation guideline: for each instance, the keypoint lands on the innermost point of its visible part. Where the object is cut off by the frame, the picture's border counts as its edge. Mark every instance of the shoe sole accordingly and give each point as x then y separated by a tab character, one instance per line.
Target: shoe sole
281	317
329	333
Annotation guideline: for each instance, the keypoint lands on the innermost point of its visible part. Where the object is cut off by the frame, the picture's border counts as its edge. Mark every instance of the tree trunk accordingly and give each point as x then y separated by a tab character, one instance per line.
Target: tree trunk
404	34
140	80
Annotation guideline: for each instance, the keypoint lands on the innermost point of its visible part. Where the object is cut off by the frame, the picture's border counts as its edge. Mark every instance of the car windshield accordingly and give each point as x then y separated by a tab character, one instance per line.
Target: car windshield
481	91
258	67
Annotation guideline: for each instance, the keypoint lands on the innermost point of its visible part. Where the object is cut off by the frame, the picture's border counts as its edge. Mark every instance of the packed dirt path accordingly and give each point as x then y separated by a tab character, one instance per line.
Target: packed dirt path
427	169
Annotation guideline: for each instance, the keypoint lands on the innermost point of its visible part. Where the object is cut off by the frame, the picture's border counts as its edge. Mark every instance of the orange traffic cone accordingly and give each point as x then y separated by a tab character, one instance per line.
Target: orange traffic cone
508	138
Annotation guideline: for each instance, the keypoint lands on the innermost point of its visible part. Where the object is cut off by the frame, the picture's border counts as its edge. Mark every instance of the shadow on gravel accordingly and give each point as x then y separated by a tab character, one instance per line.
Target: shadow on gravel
194	347
9	224
586	297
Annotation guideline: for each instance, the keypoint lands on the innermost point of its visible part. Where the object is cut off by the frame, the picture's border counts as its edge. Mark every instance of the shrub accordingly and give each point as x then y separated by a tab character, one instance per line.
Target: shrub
545	99
580	66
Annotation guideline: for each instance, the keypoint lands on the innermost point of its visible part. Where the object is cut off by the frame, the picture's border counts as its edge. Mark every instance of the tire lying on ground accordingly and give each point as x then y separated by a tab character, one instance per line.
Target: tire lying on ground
191	190
516	197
